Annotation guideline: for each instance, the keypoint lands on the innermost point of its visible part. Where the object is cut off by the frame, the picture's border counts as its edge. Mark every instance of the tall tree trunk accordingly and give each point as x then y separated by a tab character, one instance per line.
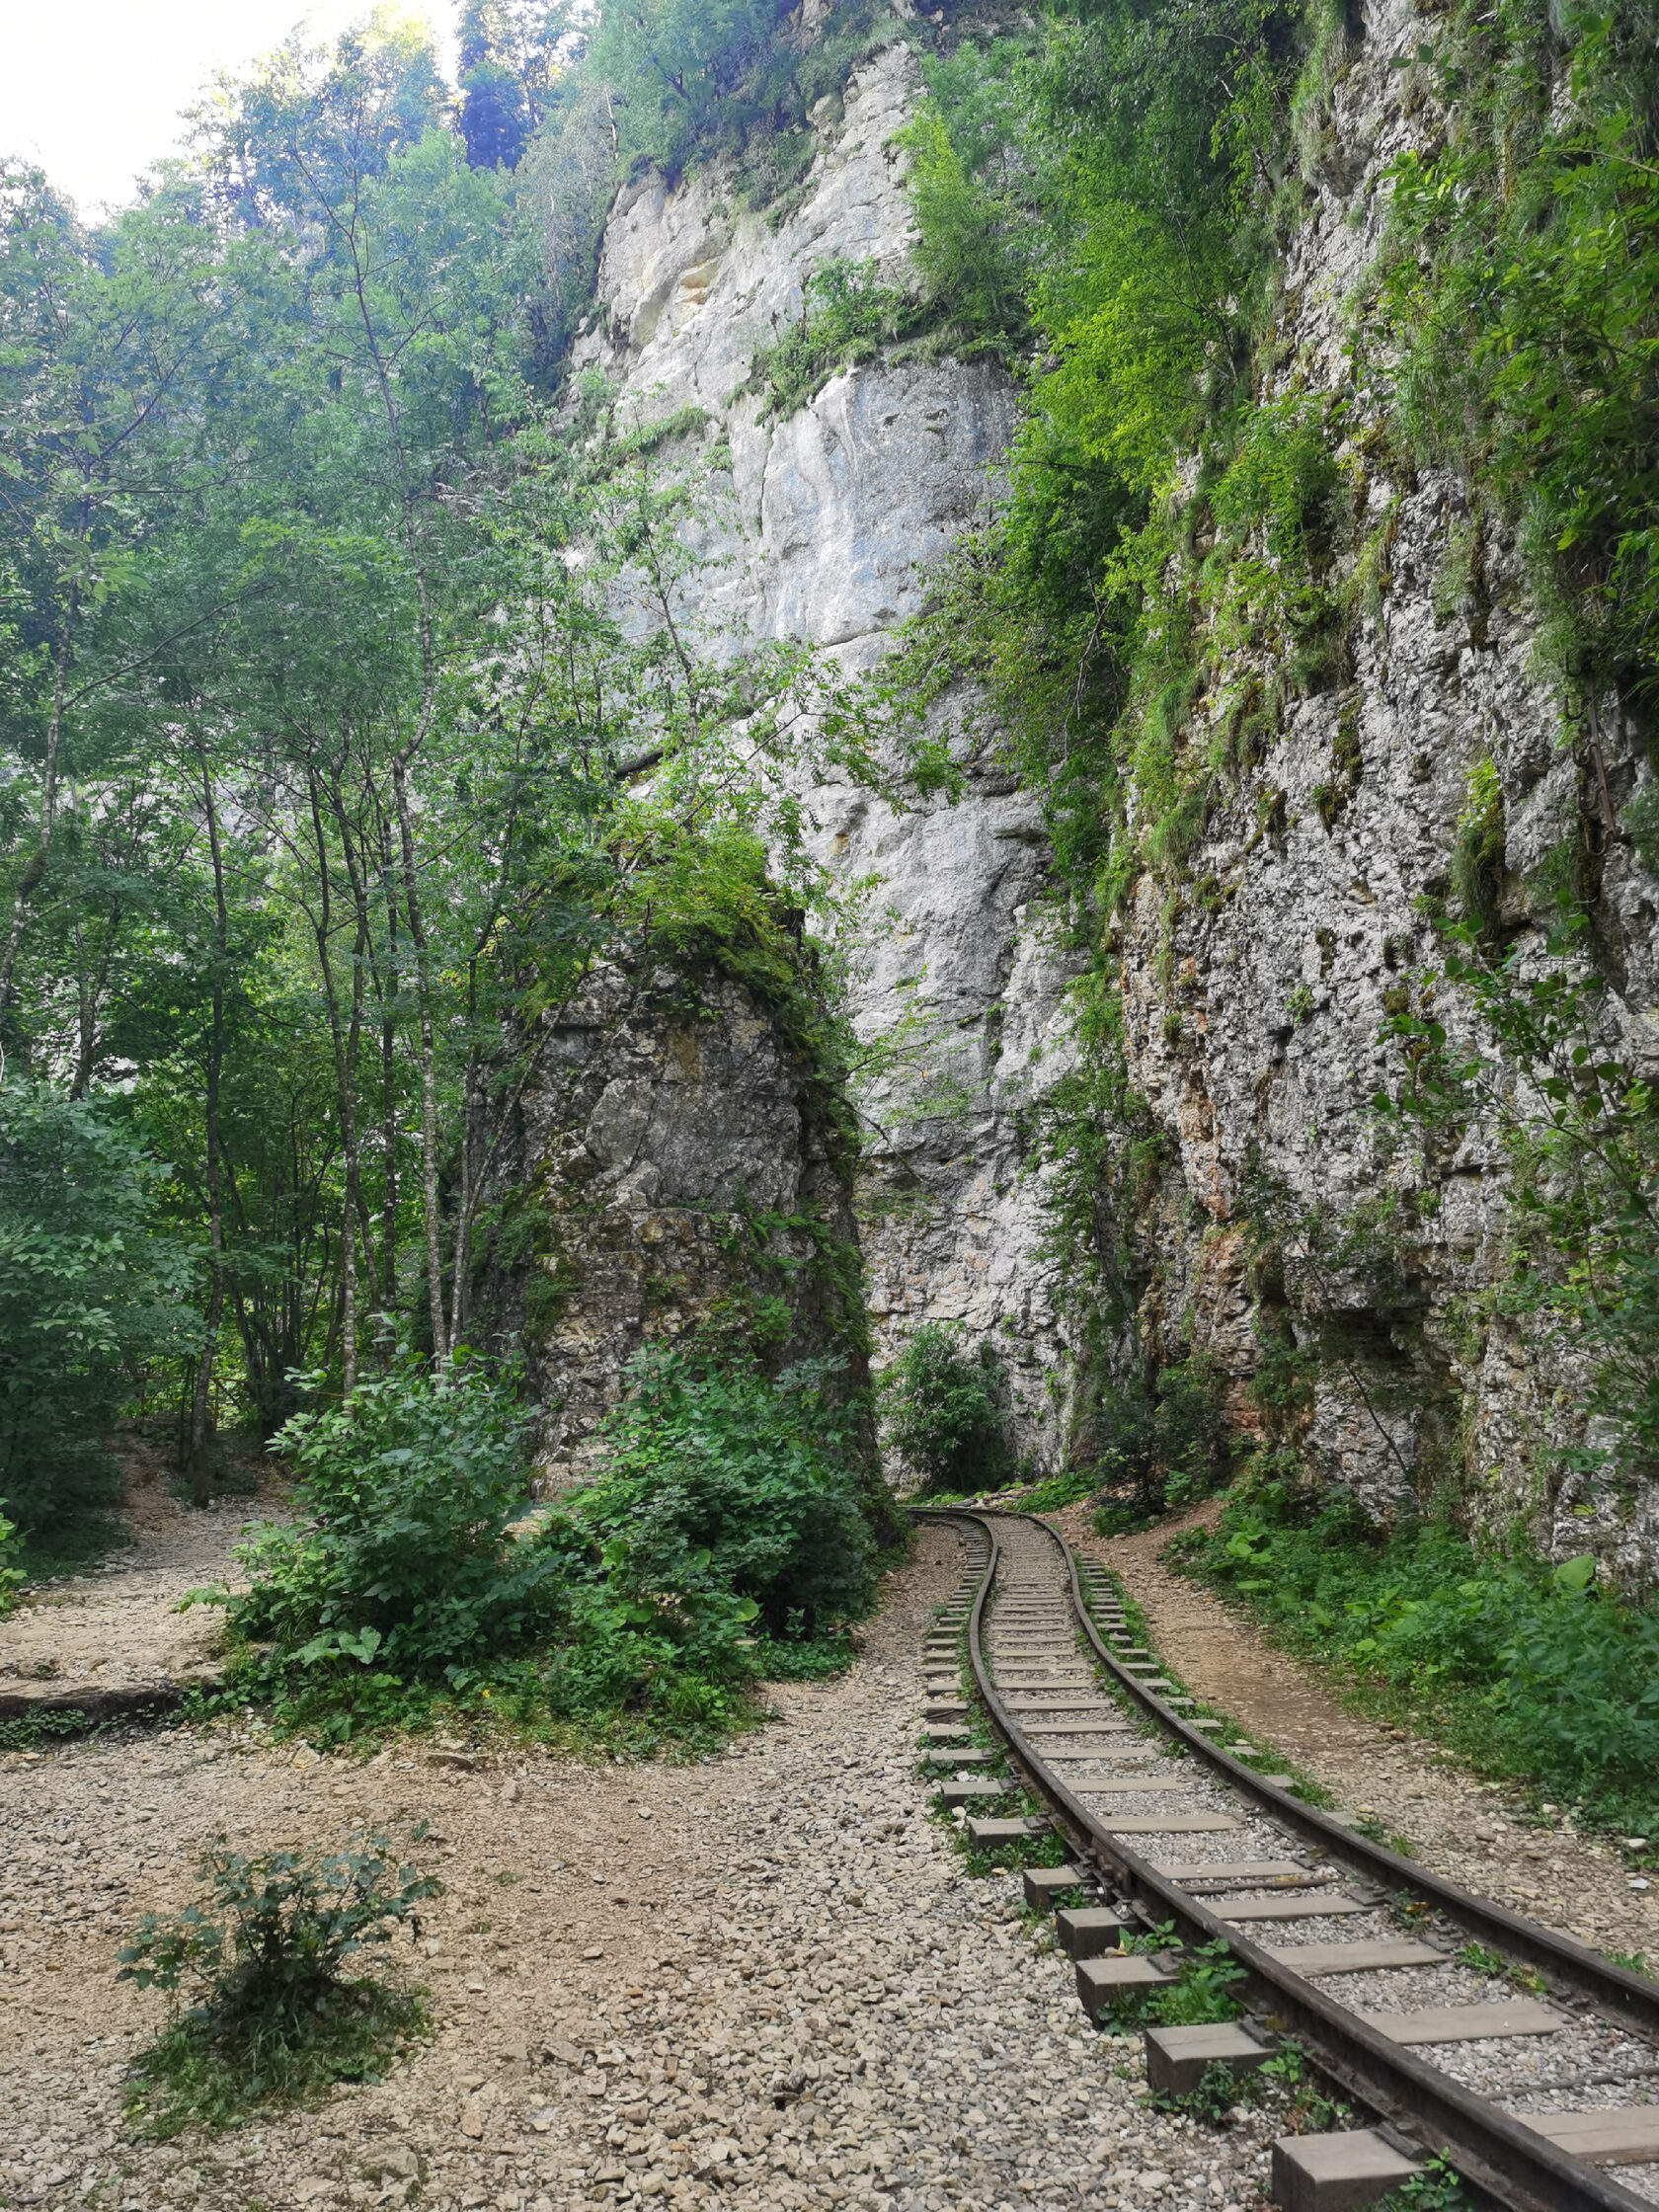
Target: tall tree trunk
200	1462
345	1079
30	880
464	1202
389	1080
429	1067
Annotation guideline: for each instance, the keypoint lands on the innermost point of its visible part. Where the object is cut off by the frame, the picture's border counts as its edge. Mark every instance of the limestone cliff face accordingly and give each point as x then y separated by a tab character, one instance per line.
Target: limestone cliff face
843	505
1254	987
1255	1009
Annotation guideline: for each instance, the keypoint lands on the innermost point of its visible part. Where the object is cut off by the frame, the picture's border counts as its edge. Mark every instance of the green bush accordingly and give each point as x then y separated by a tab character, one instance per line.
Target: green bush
10	1576
732	1496
91	1290
407	1558
1161	1449
724	1539
1529	1670
275	2019
942	1413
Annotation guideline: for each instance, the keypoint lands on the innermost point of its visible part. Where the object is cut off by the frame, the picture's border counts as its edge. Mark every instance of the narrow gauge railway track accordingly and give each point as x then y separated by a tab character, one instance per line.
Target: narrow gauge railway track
1183	1832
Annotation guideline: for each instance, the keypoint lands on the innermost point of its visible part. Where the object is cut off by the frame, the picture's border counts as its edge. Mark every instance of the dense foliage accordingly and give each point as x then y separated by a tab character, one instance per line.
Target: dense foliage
93	1291
1521	285
942	1411
733	1495
728	1534
404	1555
1158	1448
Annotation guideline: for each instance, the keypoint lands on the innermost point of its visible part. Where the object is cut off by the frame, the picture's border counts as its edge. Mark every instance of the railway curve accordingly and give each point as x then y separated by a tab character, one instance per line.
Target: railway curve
1156	1817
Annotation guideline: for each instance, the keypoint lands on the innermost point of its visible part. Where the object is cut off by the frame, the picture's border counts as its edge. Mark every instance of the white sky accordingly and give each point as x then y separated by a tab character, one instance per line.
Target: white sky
93	89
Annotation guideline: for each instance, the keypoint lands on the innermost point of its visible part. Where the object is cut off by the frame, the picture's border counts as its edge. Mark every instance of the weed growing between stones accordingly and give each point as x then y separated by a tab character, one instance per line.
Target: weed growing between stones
1287	2078
1437	2189
276	2020
37	1729
1200	1993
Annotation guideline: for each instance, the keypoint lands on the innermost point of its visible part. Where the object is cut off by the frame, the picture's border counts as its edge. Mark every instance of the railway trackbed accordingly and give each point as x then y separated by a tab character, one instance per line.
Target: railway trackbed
1514	2053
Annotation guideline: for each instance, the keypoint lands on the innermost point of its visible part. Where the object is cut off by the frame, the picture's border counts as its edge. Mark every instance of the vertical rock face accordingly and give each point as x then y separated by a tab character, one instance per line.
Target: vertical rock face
843	505
668	1153
1257	981
1258	988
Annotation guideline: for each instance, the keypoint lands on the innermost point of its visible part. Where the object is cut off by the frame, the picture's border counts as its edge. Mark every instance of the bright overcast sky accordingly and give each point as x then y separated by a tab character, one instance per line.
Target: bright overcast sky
93	89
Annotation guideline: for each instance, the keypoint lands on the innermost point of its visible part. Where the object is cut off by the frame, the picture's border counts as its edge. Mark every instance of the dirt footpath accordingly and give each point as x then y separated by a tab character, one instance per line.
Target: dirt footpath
764	1981
100	1641
1460	1827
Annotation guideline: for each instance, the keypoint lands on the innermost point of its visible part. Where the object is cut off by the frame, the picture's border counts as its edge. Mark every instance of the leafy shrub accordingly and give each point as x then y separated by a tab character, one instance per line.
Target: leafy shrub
10	1576
846	313
1530	1670
90	1290
941	1411
730	1496
408	1558
1281	479
724	1539
264	1952
1159	1450
970	180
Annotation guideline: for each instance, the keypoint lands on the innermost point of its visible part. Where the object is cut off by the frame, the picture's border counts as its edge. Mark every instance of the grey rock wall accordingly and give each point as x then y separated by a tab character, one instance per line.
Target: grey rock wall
843	505
1256	1030
664	1117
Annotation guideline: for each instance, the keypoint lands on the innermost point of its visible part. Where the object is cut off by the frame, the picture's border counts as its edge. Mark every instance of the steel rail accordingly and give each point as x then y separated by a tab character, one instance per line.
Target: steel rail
1521	2169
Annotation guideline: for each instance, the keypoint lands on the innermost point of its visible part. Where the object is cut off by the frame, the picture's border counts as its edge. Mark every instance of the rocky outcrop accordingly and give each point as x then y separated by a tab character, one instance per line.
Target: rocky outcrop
1257	987
669	1167
1258	977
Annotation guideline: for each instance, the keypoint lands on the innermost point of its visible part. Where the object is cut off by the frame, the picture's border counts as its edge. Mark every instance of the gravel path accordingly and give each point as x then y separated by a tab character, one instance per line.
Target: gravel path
763	1980
119	1628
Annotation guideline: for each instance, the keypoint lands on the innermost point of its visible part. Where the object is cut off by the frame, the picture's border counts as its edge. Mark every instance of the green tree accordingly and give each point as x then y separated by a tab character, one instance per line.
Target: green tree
92	1290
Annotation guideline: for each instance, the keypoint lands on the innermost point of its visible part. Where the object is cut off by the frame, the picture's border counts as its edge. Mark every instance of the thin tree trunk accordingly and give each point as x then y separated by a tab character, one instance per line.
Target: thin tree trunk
31	875
428	1069
389	1080
345	1072
464	1204
200	1462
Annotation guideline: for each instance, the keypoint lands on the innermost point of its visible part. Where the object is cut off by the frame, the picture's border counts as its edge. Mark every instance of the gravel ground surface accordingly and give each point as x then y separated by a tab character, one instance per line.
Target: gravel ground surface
1468	1831
763	1980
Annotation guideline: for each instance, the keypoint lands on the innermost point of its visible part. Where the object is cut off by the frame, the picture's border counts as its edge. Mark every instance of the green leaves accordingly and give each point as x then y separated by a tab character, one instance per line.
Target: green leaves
1531	1669
92	1288
942	1411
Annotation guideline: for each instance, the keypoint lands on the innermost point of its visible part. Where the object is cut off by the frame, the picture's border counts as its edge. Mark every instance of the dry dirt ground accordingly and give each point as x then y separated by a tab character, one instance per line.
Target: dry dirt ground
763	1981
117	1629
1460	1827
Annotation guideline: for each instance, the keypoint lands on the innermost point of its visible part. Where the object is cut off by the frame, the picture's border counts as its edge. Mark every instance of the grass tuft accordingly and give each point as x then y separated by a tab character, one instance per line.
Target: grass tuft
203	2072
